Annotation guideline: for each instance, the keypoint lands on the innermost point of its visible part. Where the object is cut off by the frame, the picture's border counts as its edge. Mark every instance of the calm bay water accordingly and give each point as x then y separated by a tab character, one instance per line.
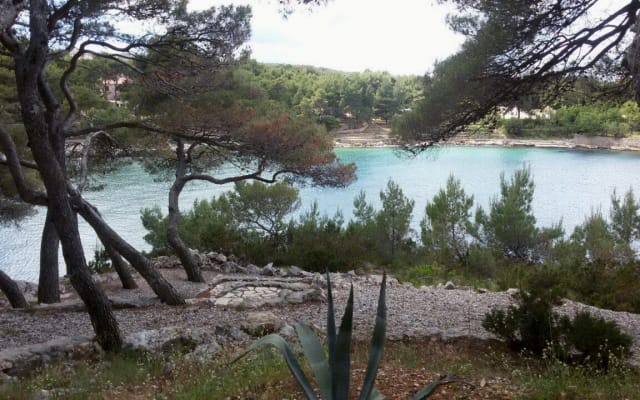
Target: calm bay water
569	184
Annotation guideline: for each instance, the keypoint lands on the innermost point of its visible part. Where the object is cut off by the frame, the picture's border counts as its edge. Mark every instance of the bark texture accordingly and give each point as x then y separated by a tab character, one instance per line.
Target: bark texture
42	121
183	252
165	291
122	268
48	280
12	291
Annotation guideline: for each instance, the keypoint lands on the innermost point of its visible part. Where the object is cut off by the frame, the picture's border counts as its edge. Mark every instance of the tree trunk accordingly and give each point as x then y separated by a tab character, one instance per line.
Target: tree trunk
66	224
173	235
187	259
42	123
48	280
12	291
140	263
121	267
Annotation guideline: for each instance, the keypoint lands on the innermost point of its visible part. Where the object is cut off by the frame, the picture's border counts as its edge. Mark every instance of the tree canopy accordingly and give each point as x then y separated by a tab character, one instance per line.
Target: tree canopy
519	48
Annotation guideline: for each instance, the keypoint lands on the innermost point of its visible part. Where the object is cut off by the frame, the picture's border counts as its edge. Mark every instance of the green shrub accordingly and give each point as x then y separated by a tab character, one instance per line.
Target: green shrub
424	274
513	126
533	326
101	264
597	341
530	326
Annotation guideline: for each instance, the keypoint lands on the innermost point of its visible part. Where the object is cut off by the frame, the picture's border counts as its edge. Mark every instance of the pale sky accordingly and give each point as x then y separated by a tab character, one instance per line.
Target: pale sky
400	36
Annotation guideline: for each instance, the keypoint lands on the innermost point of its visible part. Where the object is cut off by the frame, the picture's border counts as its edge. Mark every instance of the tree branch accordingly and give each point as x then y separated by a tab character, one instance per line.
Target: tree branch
27	194
84	161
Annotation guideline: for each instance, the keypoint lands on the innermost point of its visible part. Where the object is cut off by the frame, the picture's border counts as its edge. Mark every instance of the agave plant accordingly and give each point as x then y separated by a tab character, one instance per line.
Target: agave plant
333	374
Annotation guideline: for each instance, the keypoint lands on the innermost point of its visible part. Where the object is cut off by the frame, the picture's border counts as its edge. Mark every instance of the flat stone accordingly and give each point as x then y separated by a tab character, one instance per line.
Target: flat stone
261	323
513	292
268	270
294	271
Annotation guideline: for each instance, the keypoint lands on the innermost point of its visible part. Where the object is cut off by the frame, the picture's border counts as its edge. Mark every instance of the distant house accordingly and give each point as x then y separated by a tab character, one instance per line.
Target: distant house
517	113
110	89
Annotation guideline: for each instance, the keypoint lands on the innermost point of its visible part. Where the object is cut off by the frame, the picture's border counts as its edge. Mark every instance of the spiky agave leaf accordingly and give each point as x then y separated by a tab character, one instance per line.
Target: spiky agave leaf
377	343
426	391
283	347
331	336
376	395
342	367
314	352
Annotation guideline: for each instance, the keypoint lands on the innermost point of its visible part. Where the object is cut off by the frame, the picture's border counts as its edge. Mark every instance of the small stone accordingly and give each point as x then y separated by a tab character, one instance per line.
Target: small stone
230	267
294	271
261	323
42	394
252	269
268	270
287	331
221	258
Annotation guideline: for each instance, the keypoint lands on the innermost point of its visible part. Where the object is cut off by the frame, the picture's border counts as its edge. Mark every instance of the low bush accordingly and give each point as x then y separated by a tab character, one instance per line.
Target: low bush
594	340
532	325
101	264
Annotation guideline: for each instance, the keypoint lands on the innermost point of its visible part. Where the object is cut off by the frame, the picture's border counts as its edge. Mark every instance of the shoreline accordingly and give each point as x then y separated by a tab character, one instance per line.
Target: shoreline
578	142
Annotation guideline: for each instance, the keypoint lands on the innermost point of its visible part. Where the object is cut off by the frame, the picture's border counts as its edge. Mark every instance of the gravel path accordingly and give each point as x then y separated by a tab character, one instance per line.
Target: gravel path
412	313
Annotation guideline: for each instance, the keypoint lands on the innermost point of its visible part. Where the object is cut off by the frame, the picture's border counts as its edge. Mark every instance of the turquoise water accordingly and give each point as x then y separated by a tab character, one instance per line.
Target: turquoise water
569	184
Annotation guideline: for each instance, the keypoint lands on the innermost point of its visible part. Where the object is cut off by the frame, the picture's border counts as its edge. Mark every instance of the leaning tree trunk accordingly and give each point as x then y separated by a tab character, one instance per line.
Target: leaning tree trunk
42	121
187	259
48	280
66	224
121	267
12	291
173	235
140	263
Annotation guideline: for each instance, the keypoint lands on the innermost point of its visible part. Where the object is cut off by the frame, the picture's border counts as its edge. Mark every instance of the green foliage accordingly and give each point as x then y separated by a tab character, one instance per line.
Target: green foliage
444	229
532	325
101	263
395	218
597	341
317	242
625	222
511	225
592	117
594	240
209	225
263	208
326	96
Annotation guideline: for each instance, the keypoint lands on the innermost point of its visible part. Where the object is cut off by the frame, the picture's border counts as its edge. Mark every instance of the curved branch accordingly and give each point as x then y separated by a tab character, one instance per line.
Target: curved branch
60	13
27	193
71	116
73	40
117	125
84	161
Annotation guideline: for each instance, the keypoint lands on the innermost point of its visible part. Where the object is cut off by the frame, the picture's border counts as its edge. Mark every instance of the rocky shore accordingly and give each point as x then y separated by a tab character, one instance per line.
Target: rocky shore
578	142
240	302
373	135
